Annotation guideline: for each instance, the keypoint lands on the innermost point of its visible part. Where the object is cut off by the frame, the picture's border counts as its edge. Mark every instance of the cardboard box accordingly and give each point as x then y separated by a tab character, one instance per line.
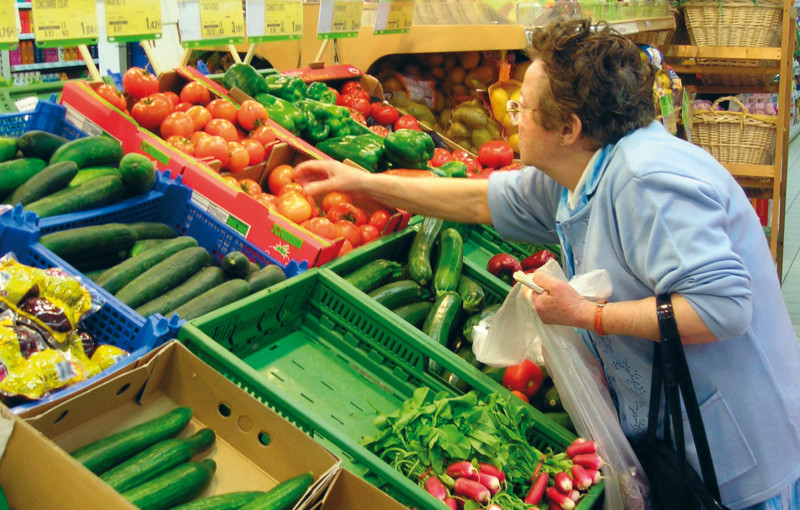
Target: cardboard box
255	448
349	492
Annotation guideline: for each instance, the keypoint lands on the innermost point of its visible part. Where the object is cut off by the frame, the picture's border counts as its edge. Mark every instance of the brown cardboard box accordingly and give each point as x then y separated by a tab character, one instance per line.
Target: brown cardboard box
349	492
255	448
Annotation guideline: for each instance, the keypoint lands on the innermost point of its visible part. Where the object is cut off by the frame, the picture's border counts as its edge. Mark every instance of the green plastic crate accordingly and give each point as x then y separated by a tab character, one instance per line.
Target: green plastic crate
9	95
328	360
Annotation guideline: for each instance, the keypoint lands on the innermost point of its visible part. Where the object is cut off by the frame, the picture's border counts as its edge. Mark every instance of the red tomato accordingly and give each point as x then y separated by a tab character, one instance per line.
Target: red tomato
232	180
149	112
139	83
198	135
521	395
251	114
196	93
177	123
255	150
384	113
200	116
183	144
279	177
112	95
407	122
294	206
349	231
358	103
164	98
174	98
264	134
223	109
183	106
495	154
473	167
238	157
323	227
223	128
291	186
268	200
440	157
525	377
379	219
212	147
368	232
333	198
351	86
348	212
250	187
357	116
379	130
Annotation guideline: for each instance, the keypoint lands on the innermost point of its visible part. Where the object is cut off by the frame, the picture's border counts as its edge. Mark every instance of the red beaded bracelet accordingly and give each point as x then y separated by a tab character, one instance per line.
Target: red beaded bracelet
598	317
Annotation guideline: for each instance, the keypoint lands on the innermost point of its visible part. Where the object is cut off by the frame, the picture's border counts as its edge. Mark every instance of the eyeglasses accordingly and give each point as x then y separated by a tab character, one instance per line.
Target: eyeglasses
515	109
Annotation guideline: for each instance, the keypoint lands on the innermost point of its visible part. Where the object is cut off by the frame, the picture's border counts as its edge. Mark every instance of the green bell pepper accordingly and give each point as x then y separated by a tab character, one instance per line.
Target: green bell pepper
283	112
454	169
321	92
408	148
290	88
365	150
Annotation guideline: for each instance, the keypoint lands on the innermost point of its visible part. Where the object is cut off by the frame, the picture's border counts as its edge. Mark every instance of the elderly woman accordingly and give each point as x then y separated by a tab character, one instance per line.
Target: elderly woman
619	193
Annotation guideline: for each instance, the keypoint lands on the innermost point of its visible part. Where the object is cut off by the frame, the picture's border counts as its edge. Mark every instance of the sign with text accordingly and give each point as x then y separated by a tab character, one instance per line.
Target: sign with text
133	20
339	18
9	25
64	22
210	22
274	20
394	16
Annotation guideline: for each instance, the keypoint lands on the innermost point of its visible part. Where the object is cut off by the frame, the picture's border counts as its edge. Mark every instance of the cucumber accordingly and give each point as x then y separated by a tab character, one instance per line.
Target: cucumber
94	273
472	294
414	313
145	244
174	487
89	195
229	501
123	273
449	261
90	151
8	148
439	323
103	262
399	293
138	173
39	144
561	418
106	453
164	276
210	300
153	230
263	278
552	401
373	274
91	241
16	172
88	174
419	255
284	495
47	181
205	279
474	319
236	265
157	459
455	381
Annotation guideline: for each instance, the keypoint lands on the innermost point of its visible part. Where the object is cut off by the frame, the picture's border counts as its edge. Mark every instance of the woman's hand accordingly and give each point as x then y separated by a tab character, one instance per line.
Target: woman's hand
560	303
321	177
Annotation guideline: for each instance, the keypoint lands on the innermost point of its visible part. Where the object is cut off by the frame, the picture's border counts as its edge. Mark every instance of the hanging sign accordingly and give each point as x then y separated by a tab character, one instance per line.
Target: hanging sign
9	21
64	22
339	18
133	20
274	20
210	22
394	16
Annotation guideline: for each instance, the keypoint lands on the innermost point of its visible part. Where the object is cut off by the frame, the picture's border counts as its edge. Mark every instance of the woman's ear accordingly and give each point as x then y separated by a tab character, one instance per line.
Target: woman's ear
572	130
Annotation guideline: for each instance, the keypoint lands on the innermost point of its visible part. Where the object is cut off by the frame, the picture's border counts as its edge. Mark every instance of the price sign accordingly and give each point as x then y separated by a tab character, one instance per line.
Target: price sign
274	20
394	16
133	20
9	31
210	22
64	22
339	18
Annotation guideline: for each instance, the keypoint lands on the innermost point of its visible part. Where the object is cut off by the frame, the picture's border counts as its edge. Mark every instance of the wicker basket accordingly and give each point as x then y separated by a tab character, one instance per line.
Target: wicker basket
734	22
735	137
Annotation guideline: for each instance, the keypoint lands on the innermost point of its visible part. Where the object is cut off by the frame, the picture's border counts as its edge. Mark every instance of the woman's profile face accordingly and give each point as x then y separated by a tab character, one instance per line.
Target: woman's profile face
536	144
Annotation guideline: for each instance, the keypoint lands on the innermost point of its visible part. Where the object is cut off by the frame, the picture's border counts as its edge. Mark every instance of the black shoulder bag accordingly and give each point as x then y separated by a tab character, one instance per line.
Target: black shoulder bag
674	484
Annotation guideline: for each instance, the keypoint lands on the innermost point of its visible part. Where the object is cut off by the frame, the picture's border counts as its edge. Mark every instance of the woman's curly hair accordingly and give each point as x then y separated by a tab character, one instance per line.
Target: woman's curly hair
595	73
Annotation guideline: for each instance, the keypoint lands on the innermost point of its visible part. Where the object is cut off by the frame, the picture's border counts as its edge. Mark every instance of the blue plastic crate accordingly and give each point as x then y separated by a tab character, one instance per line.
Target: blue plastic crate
47	116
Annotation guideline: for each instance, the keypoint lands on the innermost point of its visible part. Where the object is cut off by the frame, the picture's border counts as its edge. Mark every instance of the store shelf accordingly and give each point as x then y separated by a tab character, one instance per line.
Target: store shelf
50	65
640	25
26	37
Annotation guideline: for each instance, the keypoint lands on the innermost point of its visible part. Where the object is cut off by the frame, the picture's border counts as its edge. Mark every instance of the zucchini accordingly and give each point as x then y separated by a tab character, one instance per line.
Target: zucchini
8	148
236	265
399	293
455	381
39	144
90	151
88	174
89	195
419	255
474	319
472	294
153	230
439	323
284	495
106	453
138	173
449	261
373	274
210	300
205	279
174	487
157	459
552	401
229	501
164	276
414	313
263	278
145	244
16	172
89	242
123	273
50	179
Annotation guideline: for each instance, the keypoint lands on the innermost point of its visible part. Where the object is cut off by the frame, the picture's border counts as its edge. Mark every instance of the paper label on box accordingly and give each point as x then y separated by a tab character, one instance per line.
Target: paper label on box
26	104
81	122
219	213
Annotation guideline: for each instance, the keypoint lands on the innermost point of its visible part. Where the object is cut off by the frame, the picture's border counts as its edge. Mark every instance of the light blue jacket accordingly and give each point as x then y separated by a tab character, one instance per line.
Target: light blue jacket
661	215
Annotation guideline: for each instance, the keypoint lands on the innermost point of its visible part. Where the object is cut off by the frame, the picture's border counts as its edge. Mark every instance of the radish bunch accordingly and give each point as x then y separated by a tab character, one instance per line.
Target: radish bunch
568	487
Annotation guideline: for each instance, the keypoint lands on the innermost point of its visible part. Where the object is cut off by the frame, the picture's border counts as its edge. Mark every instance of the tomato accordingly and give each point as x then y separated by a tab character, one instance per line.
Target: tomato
358	103
294	206
223	128
232	180
278	177
183	144
348	212
495	153
407	122
521	395
139	83
440	157
196	93
379	130
291	186
333	198
357	116
270	201
379	219
238	157
223	109
198	135
251	114
349	231
473	166
384	113
255	150
149	112
112	95
368	232
177	123
351	86
165	98
183	106
174	98
200	116
264	134
250	187
323	227
212	147
525	377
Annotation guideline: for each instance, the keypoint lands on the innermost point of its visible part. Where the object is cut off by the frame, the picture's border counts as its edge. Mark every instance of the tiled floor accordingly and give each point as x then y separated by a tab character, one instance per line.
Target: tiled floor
791	239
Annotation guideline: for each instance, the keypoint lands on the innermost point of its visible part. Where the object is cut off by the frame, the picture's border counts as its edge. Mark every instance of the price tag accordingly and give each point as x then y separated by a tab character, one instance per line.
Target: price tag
9	25
274	20
64	22
133	20
339	18
394	16
210	22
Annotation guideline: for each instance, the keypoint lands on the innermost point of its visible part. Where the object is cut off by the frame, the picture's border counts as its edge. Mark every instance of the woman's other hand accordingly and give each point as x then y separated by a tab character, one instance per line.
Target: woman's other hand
321	177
